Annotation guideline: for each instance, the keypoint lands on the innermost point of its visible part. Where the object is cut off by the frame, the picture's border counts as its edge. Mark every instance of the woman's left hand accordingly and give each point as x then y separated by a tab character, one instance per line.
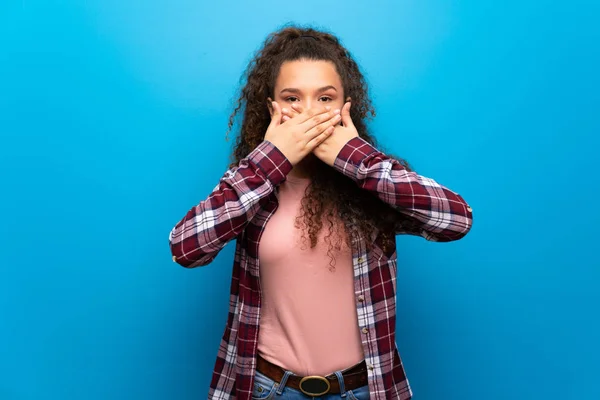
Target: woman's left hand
345	130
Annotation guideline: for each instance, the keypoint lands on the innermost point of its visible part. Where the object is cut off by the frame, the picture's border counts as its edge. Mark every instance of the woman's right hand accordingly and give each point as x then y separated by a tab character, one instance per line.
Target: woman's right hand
298	136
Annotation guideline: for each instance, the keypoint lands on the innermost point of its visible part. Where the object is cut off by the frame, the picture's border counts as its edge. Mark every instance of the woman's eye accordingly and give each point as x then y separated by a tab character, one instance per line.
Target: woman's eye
323	99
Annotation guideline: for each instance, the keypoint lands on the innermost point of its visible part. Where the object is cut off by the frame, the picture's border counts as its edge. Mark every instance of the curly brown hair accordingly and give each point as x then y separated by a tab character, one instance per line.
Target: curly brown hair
329	194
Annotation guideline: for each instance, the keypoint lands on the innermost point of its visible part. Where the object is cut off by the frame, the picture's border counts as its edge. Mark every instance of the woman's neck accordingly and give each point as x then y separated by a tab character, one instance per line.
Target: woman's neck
303	170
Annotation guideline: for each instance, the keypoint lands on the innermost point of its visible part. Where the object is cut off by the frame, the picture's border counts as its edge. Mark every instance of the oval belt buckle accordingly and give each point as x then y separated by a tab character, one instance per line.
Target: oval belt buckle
314	385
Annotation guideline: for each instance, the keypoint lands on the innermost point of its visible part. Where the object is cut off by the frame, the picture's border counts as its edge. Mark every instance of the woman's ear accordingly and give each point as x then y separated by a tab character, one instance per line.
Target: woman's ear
270	106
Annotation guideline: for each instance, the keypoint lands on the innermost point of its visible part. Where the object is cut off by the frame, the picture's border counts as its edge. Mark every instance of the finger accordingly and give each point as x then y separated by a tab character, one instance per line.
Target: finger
288	114
311	113
319	119
322	127
313	143
294	113
346	119
284	114
276	116
297	108
291	112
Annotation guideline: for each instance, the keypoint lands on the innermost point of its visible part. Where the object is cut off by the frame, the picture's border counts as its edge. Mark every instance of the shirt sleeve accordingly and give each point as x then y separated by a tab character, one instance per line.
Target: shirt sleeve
431	210
207	227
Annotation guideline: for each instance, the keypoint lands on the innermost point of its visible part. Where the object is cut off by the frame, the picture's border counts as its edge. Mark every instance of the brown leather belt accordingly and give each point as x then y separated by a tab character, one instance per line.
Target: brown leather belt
354	377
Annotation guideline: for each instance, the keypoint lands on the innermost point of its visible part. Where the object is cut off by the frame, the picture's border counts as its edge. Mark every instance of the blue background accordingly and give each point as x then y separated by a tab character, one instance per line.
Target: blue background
112	122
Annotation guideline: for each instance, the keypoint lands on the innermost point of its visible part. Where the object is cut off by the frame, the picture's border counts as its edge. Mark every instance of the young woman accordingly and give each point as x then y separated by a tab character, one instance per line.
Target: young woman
314	207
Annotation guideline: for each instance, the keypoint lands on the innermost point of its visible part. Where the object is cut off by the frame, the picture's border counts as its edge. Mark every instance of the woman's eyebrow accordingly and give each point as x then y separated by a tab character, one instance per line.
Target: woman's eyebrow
294	90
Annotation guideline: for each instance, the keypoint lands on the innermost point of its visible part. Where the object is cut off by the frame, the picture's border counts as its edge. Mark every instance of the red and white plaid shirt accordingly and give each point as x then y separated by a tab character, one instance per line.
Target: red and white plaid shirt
239	208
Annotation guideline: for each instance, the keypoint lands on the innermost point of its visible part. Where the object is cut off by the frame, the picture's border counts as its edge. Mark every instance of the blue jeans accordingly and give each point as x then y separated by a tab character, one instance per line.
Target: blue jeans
267	389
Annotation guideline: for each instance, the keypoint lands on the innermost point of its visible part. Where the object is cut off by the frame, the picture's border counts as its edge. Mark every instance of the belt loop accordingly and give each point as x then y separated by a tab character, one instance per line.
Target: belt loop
340	378
283	382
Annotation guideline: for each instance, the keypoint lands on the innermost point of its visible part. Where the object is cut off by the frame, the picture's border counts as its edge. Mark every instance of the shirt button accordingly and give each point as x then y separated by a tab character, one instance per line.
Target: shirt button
469	209
361	259
365	330
370	367
361	298
174	259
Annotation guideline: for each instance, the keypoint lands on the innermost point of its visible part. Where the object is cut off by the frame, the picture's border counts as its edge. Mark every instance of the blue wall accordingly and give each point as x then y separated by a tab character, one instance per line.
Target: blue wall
112	123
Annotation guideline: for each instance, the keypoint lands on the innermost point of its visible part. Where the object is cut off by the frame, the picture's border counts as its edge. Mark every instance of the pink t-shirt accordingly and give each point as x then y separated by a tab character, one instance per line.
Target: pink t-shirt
308	321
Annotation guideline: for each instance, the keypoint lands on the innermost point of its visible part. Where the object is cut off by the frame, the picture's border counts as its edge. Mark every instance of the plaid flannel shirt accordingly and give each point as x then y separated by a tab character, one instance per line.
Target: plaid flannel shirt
239	208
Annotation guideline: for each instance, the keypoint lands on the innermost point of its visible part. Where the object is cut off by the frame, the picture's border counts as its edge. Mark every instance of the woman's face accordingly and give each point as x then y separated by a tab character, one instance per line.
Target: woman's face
309	83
